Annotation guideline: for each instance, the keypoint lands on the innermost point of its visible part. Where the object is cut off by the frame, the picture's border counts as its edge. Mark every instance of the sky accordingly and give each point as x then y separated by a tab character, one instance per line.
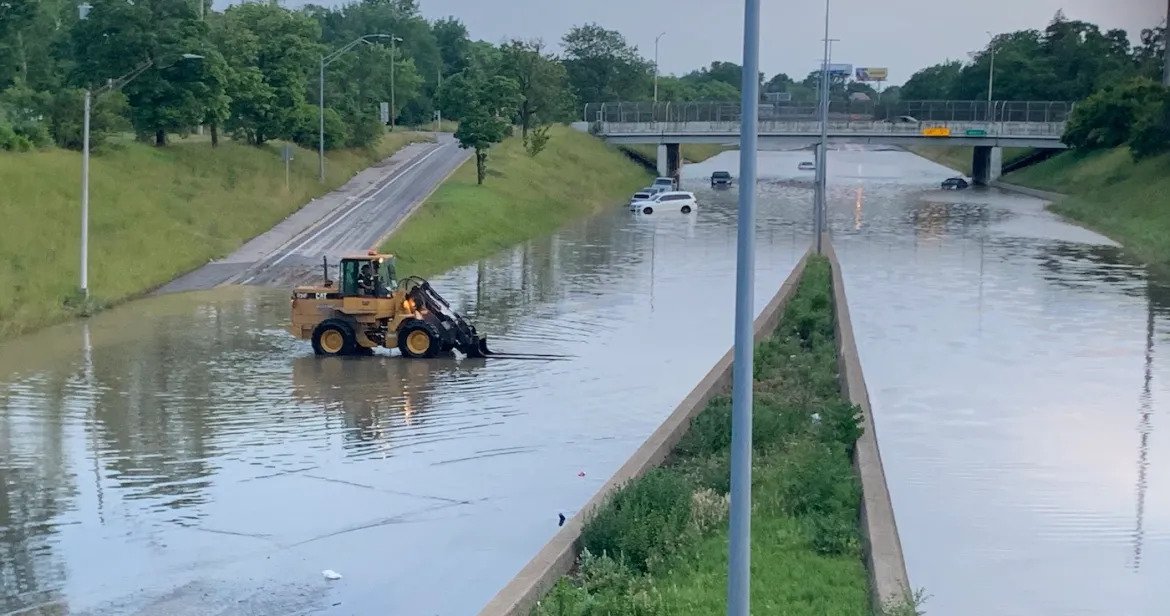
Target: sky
901	35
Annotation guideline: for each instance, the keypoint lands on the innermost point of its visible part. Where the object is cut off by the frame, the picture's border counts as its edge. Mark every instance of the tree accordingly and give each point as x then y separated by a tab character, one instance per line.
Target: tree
483	105
479	131
1151	130
541	80
602	66
778	83
1107	118
454	45
270	53
933	82
118	37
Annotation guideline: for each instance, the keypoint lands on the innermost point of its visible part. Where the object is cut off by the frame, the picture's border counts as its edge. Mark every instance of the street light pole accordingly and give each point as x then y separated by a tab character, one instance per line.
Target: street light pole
656	65
85	197
1166	36
740	515
990	74
393	61
325	61
822	148
112	84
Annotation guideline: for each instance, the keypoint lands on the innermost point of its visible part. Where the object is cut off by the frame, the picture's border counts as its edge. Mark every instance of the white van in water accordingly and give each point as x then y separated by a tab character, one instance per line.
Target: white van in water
683	200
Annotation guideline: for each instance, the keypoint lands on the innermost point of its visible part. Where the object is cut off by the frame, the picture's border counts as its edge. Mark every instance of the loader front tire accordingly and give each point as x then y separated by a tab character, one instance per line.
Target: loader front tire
334	337
418	340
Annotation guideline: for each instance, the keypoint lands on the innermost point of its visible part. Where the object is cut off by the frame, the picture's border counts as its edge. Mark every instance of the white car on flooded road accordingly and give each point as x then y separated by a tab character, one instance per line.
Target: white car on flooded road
680	200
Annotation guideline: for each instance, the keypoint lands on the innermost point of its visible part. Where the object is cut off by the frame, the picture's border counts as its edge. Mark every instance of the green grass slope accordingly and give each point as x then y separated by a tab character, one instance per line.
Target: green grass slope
521	198
1109	192
155	213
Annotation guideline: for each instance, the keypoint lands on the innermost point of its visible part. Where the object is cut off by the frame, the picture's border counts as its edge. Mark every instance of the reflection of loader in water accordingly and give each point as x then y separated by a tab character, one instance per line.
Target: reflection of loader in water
373	397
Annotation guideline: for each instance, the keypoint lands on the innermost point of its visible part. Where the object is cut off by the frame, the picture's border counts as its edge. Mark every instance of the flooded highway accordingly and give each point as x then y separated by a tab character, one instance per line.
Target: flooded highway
1018	375
184	455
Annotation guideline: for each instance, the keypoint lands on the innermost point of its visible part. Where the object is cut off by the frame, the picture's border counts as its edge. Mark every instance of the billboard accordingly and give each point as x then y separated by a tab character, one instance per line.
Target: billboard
840	69
872	74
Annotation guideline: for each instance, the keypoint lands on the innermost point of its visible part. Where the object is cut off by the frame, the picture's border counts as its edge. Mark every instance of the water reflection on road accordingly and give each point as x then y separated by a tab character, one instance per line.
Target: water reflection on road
184	455
1012	363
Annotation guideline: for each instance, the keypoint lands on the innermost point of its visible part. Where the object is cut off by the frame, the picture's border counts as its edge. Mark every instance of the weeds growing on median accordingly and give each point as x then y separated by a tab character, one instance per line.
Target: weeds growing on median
659	544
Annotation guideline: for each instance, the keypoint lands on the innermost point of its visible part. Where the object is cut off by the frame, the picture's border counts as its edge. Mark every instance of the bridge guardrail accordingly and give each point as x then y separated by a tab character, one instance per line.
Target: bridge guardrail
878	128
926	111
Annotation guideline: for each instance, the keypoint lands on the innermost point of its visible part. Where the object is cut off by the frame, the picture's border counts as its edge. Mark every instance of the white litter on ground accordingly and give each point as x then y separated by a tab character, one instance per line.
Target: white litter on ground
331	574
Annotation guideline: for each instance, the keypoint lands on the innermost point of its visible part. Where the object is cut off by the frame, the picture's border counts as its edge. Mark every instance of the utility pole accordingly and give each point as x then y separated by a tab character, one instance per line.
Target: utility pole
990	74
656	65
325	61
1166	37
822	157
740	517
393	61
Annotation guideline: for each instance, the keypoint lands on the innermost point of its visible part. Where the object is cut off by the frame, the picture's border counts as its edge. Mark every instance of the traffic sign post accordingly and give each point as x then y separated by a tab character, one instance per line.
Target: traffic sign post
286	154
384	113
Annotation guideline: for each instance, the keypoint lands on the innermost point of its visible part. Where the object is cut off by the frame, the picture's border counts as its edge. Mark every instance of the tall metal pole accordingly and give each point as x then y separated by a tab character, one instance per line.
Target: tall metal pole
822	148
1166	35
740	522
990	74
656	66
393	49
321	123
85	197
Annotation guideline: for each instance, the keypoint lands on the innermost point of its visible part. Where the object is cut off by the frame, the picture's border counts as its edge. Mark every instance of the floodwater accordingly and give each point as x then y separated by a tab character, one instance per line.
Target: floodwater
183	455
1017	370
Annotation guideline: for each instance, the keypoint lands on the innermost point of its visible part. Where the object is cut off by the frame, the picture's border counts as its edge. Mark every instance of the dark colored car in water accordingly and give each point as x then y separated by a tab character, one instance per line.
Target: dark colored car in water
954	184
720	178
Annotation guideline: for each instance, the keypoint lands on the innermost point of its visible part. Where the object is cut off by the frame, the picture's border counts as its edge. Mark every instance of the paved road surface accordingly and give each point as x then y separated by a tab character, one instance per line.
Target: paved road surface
353	218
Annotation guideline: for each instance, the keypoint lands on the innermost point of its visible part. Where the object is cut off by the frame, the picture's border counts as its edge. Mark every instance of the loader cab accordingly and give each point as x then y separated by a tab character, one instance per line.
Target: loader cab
383	270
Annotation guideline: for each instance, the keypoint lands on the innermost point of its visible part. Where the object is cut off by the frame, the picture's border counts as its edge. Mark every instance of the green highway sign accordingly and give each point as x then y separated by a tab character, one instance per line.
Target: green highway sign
976	132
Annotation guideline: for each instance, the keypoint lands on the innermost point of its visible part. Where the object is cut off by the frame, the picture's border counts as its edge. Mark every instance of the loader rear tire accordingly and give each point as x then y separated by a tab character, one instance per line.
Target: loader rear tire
334	337
419	340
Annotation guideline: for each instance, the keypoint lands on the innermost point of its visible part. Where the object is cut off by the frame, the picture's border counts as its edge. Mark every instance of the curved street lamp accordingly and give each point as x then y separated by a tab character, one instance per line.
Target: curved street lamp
325	61
111	85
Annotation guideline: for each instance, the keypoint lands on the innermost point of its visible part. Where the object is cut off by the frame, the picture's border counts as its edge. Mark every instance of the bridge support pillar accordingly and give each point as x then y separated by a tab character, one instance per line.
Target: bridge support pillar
670	161
987	164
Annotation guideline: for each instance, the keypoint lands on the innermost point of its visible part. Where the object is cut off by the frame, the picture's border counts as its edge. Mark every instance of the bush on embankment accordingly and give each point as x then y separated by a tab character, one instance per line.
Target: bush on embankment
155	213
1108	191
659	544
523	197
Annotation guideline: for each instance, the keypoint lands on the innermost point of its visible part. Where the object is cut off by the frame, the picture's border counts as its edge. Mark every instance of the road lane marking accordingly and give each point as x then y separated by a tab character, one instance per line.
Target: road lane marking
344	215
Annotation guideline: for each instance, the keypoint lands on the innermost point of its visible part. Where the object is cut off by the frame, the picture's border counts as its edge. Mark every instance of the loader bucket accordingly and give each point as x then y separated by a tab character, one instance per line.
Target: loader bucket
479	348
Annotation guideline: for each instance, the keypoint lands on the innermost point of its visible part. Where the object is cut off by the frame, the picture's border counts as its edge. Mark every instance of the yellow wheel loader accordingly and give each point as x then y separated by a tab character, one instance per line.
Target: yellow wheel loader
371	308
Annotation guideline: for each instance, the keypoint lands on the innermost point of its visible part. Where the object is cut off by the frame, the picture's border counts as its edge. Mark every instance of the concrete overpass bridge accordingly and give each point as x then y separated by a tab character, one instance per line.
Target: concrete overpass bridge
987	126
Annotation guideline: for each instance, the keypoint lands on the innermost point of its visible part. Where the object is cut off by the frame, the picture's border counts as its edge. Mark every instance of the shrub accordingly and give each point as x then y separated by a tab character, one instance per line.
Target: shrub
642	520
1106	118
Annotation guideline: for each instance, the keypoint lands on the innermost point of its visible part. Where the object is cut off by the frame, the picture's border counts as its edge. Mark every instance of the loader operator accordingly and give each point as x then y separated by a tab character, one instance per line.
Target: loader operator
366	281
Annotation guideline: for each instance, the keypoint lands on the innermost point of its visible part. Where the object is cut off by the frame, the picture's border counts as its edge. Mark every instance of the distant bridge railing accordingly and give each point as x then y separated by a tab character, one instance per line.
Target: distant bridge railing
1006	112
1047	130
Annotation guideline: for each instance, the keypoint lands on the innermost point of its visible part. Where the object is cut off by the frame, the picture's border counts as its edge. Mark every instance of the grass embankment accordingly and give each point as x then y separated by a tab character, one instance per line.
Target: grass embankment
959	157
521	198
659	544
691	152
1109	192
155	213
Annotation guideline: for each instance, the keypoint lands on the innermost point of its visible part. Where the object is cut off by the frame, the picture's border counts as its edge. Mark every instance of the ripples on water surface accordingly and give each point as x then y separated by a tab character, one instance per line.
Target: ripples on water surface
183	455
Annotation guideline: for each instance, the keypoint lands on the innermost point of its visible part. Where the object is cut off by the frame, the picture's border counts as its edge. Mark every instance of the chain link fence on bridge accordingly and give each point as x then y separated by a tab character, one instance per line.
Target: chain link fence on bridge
1048	112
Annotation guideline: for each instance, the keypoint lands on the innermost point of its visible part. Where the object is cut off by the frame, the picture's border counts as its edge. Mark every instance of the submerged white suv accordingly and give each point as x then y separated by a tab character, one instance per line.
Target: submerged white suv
683	201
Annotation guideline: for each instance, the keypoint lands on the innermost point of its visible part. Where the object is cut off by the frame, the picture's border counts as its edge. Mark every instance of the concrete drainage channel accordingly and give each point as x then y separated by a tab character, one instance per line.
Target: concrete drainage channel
885	562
